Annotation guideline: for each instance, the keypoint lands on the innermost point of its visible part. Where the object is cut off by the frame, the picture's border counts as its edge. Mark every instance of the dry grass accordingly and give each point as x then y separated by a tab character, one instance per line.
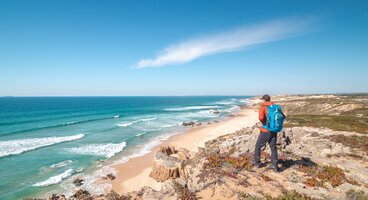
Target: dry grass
341	112
354	141
356	195
338	123
221	160
291	195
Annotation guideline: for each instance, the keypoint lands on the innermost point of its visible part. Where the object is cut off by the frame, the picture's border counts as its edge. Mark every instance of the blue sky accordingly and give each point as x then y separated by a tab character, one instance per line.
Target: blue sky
80	47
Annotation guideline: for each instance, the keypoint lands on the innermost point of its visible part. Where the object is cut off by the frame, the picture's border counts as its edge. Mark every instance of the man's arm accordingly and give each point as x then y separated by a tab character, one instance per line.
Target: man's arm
262	115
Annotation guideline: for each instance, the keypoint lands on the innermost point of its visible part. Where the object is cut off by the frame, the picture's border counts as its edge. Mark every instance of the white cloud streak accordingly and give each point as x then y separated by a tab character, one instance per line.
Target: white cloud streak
235	40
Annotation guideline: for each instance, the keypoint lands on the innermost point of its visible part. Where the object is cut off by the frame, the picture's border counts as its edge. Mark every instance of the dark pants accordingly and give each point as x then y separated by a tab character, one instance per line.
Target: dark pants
263	138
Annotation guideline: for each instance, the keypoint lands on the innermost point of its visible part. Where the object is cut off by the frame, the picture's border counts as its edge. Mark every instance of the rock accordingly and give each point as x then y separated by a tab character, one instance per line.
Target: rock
198	124
216	112
150	194
110	176
183	154
56	197
82	195
215	121
168	150
78	182
200	150
191	123
166	167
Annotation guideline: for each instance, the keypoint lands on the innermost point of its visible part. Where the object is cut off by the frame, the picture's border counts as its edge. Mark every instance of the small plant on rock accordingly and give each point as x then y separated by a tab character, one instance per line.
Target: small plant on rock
319	175
183	192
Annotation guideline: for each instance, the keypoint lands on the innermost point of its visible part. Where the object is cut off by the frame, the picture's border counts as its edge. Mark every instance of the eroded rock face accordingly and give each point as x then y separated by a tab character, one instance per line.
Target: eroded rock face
168	150
166	167
169	163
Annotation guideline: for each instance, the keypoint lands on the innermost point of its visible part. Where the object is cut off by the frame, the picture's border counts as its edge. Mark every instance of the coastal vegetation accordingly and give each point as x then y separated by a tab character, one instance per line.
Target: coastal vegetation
340	112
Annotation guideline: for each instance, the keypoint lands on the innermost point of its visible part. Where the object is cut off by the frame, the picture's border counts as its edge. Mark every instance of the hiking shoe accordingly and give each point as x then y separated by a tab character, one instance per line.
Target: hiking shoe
257	165
274	168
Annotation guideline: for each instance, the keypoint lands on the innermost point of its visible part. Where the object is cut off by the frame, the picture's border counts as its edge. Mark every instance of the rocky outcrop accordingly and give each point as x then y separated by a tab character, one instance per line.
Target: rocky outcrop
82	195
168	163
300	148
165	167
168	150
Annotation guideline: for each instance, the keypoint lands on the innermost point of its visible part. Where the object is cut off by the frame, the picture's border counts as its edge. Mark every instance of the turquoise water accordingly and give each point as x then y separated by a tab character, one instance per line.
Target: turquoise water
45	140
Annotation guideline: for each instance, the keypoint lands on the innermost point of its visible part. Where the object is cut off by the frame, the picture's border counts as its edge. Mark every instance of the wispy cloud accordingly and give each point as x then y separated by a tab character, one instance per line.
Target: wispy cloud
235	40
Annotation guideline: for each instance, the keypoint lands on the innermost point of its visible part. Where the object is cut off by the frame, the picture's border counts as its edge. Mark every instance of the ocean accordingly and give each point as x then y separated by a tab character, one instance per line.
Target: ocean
46	141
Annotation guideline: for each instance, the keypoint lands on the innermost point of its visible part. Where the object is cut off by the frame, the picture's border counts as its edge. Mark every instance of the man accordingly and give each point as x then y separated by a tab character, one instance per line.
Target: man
267	136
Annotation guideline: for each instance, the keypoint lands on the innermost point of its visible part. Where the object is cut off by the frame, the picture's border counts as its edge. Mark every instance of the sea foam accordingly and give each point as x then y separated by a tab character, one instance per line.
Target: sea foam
61	164
125	124
13	147
55	179
106	150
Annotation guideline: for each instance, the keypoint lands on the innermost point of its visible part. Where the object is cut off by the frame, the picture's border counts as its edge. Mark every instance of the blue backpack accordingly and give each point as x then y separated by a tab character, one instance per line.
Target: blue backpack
275	118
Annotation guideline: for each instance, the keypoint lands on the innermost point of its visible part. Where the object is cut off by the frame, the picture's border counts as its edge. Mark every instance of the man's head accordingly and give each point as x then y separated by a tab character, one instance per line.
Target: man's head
266	97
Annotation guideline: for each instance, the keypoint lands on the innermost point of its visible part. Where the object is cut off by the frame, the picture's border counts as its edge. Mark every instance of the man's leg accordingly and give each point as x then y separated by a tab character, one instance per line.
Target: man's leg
272	142
262	140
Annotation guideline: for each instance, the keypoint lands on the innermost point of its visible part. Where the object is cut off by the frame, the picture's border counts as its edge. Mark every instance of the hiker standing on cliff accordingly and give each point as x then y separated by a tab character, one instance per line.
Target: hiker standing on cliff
272	119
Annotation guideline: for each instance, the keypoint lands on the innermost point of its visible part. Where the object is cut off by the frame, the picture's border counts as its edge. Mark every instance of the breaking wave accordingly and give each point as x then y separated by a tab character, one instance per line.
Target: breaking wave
191	108
55	179
125	124
13	147
61	164
61	124
106	150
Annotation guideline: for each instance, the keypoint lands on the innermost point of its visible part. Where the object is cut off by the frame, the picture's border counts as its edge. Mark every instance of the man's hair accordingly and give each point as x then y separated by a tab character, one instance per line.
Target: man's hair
266	97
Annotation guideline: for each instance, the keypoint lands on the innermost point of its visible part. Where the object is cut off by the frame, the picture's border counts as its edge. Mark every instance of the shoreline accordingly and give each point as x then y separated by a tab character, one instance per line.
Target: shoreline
134	174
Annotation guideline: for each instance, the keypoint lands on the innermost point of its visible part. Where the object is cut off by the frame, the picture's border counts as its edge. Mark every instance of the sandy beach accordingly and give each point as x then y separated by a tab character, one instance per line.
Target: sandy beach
134	174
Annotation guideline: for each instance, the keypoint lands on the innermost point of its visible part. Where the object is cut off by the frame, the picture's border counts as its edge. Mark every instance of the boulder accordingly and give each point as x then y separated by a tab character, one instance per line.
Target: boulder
190	123
56	197
110	176
78	181
82	195
198	124
216	112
